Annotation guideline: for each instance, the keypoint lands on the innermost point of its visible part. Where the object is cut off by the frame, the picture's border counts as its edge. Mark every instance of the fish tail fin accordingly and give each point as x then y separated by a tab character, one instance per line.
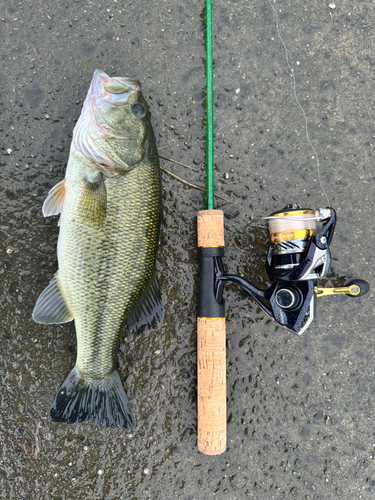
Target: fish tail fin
104	401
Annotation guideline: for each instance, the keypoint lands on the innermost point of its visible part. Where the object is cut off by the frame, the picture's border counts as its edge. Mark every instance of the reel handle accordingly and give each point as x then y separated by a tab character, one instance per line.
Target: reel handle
211	355
355	288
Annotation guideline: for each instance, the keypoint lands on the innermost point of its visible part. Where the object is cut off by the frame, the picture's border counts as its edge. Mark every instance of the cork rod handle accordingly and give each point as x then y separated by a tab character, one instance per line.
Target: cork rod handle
211	357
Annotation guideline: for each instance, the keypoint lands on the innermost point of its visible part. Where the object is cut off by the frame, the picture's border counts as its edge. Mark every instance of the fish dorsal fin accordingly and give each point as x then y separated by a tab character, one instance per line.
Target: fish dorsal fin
51	308
54	202
93	203
149	310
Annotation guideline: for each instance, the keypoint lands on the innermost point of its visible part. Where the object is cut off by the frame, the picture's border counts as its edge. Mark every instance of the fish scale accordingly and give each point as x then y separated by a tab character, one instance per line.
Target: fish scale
109	234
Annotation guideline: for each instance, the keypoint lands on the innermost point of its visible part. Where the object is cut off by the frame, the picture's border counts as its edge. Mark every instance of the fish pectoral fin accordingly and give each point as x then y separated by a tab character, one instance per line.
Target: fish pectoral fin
54	202
149	310
93	203
51	308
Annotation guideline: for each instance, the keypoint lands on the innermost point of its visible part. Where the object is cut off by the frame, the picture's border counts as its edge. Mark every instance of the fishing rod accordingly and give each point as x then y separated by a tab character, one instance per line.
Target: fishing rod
298	256
211	356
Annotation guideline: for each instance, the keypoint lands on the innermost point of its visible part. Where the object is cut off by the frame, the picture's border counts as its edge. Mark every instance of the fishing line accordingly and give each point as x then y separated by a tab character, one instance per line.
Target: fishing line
297	101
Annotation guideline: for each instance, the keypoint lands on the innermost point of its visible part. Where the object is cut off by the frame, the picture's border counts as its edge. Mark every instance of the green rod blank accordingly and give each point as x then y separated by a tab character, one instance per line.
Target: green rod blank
210	110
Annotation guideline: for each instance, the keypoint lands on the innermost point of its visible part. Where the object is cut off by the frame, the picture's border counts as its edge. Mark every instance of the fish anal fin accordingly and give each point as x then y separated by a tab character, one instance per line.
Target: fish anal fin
93	203
53	204
51	308
149	310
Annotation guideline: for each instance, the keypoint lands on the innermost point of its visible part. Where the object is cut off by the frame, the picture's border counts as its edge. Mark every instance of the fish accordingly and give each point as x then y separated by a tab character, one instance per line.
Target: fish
110	218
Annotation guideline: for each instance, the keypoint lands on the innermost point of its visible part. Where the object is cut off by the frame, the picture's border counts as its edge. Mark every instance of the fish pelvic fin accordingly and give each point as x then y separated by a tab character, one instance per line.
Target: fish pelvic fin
51	308
93	203
149	310
53	204
102	400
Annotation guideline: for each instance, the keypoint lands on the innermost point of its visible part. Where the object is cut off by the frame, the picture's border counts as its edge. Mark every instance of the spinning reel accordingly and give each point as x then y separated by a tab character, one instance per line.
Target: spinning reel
298	255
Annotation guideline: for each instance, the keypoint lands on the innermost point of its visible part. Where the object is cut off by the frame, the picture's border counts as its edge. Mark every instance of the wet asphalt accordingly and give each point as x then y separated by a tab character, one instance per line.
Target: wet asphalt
300	409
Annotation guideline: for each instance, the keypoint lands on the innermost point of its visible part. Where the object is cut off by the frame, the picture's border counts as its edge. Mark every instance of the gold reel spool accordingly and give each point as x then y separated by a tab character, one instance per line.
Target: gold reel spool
289	226
290	233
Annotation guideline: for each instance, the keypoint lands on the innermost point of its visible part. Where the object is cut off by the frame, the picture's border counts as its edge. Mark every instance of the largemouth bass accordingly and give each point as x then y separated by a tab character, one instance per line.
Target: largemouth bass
110	205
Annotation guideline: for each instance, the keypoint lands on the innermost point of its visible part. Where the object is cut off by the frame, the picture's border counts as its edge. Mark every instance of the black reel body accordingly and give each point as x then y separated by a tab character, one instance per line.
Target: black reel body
298	255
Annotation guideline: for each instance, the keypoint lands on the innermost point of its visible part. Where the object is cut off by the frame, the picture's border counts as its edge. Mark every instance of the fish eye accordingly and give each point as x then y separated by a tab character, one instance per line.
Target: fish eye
138	110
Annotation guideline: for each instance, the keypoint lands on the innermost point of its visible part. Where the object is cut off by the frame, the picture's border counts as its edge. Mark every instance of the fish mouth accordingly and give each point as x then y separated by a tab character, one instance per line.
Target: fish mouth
115	90
128	83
